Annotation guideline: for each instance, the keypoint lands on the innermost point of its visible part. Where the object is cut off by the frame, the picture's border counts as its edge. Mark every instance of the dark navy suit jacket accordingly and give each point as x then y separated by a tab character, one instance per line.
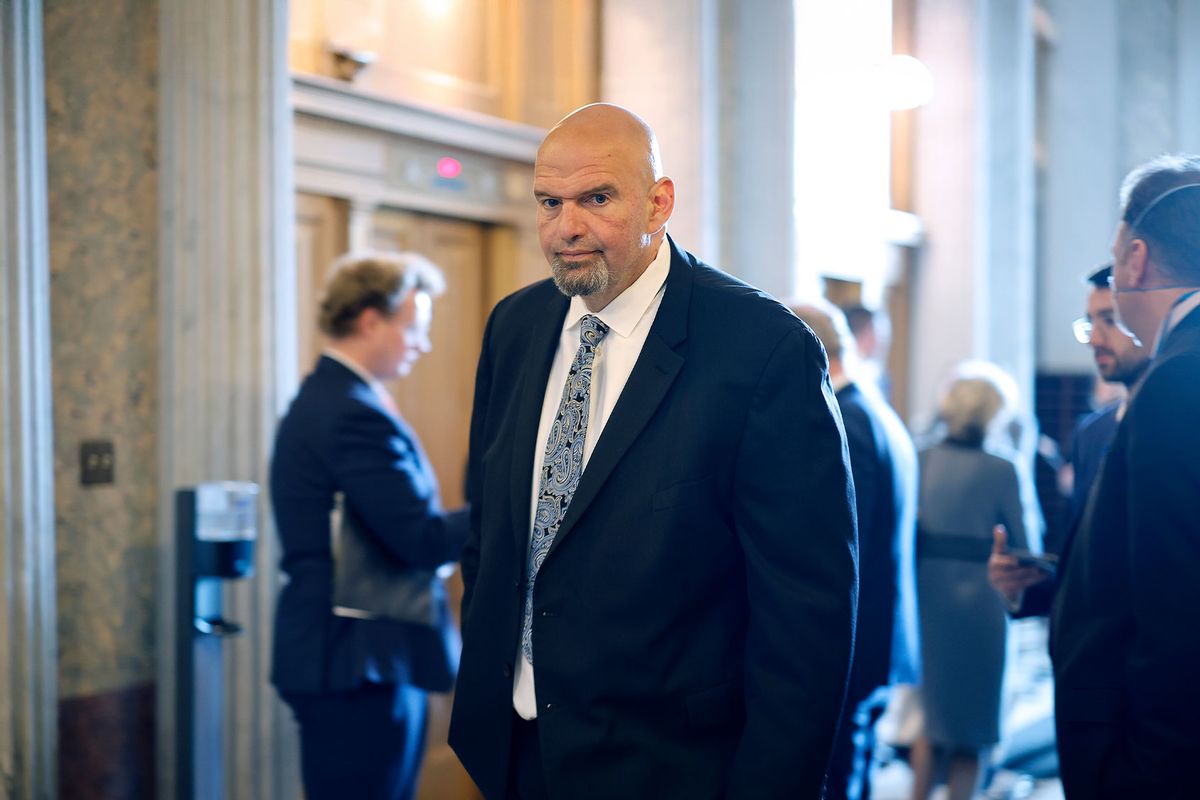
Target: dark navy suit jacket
1089	444
693	619
1093	436
338	437
1123	636
884	464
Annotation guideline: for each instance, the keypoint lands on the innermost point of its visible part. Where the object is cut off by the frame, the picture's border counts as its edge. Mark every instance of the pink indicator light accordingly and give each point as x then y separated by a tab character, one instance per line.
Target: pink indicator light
448	167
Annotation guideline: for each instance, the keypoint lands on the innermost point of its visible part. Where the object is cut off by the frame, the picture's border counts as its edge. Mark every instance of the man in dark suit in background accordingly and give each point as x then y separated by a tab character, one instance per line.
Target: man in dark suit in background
660	577
884	464
1119	358
357	686
1123	635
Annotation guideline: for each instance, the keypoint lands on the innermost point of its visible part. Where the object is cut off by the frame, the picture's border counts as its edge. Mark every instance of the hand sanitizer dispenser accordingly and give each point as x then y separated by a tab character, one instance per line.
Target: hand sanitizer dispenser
216	526
226	525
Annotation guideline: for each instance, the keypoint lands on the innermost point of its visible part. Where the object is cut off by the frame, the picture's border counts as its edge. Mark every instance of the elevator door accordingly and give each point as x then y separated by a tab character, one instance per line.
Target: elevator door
436	400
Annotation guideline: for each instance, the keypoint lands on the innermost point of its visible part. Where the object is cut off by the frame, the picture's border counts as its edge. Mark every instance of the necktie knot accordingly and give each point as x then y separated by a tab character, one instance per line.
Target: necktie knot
591	330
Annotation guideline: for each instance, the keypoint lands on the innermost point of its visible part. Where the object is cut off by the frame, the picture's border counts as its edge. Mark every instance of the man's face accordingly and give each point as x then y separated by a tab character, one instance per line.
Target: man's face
1118	357
596	218
404	336
1131	313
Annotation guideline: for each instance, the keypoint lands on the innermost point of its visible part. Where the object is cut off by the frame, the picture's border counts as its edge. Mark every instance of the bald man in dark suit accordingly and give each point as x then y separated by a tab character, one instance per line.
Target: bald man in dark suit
660	577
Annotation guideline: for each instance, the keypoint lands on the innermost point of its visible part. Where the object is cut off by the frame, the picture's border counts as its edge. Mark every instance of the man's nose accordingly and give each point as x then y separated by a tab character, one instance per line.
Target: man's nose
570	222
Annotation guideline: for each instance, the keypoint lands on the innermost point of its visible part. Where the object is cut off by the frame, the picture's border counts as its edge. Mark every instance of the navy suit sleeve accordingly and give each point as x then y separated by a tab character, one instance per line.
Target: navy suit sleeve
1164	549
388	487
864	465
876	562
794	516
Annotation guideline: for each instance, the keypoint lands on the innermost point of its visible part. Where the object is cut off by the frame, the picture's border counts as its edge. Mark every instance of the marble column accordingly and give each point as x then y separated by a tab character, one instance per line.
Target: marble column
1122	82
715	79
28	669
756	155
1006	305
660	60
1082	173
227	317
973	286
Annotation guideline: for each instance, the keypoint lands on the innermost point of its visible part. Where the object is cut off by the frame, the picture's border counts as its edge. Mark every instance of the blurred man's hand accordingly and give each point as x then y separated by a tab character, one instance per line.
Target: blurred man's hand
1007	576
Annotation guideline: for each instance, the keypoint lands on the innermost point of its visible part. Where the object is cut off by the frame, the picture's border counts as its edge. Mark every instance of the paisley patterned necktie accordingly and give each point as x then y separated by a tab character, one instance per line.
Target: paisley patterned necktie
563	464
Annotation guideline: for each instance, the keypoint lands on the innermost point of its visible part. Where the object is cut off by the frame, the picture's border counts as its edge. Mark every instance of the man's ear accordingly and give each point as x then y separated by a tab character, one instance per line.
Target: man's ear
366	322
662	203
1137	262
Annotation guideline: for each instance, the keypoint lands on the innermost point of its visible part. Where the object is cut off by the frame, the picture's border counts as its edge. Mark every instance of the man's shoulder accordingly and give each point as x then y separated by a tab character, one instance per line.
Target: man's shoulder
330	393
535	296
1169	393
738	309
1096	422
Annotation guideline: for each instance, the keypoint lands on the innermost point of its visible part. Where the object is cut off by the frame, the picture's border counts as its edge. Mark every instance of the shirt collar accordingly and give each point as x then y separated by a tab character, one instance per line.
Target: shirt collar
1185	305
357	368
627	309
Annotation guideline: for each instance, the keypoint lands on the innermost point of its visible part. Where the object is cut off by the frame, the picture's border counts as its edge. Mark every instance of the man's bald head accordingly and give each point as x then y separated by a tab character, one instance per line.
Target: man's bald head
624	132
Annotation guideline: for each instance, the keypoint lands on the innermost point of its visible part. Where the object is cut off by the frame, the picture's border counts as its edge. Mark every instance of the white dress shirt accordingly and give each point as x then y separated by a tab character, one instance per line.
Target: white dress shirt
628	317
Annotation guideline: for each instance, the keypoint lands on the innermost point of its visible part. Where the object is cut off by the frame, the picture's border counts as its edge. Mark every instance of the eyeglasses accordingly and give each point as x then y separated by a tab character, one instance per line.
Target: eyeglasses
1082	328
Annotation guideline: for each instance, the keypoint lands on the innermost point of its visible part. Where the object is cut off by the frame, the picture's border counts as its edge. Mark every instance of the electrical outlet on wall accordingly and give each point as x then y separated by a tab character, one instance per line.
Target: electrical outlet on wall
96	462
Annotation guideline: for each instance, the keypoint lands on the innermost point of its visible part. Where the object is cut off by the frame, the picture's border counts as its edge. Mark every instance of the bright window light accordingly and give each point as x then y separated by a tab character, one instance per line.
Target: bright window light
843	146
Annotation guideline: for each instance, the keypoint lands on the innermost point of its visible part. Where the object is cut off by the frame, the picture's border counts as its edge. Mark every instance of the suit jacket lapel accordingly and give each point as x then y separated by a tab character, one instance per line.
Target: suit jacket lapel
652	376
543	342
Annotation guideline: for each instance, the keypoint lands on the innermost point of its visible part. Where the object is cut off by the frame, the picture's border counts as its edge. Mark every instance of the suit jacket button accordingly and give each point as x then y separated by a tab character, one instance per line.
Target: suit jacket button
548	706
508	670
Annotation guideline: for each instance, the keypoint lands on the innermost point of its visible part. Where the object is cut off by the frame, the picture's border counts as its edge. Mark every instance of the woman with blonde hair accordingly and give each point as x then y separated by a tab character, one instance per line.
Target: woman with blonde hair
969	484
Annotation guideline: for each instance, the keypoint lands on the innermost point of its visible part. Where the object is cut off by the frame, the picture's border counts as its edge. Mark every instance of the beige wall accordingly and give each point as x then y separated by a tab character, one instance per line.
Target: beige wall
529	61
101	72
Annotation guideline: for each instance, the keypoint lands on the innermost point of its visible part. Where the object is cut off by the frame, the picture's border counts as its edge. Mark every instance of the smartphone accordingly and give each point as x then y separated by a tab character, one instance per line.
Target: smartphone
1046	562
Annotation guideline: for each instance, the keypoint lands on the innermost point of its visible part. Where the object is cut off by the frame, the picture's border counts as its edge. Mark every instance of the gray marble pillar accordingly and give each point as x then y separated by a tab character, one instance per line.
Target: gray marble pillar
1006	302
1187	28
28	669
228	333
1081	173
973	287
1123	85
757	89
660	60
715	78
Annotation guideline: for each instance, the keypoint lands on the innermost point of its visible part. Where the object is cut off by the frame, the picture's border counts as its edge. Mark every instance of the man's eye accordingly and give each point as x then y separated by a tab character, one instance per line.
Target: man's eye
600	199
550	203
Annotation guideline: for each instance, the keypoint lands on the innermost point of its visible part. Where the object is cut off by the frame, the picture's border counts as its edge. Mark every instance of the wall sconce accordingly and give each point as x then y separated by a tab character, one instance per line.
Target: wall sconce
347	62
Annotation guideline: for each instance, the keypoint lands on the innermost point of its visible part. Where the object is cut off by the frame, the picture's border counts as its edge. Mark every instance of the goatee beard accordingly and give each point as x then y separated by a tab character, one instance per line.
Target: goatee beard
580	278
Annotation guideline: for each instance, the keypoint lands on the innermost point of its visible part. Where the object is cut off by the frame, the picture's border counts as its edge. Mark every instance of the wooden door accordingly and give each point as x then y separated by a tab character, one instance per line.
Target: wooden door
436	400
321	234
